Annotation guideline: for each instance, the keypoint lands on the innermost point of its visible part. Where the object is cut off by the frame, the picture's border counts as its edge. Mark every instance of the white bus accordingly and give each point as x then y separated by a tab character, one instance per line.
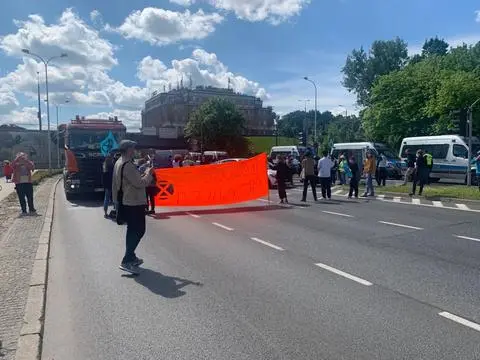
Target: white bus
449	152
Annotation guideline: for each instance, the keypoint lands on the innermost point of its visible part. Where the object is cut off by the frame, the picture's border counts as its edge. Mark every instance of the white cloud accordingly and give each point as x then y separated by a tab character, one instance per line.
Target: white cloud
25	116
183	2
8	100
131	119
162	27
273	11
94	15
477	16
71	35
204	69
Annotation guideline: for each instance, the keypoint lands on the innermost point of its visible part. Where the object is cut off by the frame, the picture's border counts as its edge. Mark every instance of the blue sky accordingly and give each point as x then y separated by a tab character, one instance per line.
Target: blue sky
120	51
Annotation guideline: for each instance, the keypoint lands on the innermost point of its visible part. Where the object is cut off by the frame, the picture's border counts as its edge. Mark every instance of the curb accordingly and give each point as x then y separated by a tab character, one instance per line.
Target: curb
29	344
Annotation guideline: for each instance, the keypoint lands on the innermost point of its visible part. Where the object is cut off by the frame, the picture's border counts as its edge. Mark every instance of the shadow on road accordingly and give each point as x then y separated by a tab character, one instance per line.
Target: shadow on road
244	209
167	286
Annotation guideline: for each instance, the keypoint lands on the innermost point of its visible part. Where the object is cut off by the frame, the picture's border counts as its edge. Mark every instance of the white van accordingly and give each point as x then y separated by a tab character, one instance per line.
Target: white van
289	150
359	151
449	152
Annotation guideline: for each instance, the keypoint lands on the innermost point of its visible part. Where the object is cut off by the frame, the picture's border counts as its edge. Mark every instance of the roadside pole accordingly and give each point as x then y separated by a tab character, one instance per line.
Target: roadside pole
470	135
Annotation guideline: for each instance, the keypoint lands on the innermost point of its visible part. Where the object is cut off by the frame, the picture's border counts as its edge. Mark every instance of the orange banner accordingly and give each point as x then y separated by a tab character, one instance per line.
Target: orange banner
207	185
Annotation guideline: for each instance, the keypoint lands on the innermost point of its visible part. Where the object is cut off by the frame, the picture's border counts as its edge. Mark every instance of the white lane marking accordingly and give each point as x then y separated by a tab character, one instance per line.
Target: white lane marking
397	199
439	206
338	214
344	274
466	238
223	226
381	196
193	215
338	192
401	225
460	320
416	201
437	203
266	243
264	200
462	206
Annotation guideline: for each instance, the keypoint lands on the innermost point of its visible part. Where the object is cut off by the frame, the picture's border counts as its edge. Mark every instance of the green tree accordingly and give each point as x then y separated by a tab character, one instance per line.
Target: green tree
435	47
291	124
362	69
219	126
343	129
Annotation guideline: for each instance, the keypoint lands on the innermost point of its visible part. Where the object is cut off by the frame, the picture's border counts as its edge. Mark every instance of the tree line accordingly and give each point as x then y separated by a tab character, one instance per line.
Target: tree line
417	95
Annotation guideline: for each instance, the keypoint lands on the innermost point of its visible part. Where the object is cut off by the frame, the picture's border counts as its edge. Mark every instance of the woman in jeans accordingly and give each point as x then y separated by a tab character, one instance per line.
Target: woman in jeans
22	177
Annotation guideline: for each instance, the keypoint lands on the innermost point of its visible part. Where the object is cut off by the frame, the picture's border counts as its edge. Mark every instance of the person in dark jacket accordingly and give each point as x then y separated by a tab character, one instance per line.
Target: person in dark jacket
420	175
107	175
355	177
282	177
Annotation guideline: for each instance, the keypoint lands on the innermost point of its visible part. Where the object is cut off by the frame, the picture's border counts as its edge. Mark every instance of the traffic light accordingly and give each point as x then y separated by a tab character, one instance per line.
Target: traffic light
459	121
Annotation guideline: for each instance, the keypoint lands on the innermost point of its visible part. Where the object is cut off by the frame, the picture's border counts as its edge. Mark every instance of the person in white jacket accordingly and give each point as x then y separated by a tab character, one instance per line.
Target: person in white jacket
325	166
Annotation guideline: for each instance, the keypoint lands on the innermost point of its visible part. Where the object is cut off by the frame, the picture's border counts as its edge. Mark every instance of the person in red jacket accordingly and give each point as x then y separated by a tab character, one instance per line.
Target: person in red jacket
7	171
22	177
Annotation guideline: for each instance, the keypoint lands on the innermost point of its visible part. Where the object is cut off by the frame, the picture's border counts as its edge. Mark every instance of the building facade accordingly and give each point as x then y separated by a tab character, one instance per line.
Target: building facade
166	114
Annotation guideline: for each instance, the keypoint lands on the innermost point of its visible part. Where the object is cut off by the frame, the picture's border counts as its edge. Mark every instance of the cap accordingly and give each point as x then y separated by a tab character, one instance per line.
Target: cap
126	144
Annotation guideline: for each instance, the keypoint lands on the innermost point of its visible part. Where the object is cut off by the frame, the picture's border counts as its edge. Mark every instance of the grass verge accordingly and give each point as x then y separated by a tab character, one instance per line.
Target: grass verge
40	175
437	191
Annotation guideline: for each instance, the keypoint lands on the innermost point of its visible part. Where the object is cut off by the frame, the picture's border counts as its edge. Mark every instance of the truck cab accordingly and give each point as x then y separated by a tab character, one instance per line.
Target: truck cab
86	143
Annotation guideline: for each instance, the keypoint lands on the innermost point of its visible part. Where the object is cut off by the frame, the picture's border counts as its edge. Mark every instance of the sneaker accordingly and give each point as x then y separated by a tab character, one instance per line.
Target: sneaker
137	262
130	268
23	213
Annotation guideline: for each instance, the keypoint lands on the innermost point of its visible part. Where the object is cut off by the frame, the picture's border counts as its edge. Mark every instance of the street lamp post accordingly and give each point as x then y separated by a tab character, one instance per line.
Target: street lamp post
305	128
346	111
46	62
315	121
470	134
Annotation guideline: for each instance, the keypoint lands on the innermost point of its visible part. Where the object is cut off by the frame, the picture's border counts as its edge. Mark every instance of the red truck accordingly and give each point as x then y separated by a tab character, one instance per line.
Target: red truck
86	143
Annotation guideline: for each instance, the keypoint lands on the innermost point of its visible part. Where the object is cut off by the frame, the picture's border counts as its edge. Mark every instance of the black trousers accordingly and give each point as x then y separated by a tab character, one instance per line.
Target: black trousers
312	180
326	184
135	218
25	190
420	179
282	189
382	176
150	198
353	187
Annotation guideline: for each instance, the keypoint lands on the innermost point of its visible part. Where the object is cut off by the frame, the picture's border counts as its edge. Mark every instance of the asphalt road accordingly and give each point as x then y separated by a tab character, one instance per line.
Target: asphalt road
330	280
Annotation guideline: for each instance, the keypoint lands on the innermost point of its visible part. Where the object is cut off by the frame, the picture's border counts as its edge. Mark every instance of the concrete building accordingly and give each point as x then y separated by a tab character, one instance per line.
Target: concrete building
166	114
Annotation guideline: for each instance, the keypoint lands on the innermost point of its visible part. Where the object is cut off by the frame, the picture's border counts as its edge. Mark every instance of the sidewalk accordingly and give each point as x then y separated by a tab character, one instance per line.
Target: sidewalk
7	189
18	247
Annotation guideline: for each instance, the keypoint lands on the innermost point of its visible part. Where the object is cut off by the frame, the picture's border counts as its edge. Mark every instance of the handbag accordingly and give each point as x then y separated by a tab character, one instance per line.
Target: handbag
121	218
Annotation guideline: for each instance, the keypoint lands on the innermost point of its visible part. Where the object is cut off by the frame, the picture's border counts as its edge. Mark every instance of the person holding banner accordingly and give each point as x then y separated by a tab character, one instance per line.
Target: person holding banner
131	185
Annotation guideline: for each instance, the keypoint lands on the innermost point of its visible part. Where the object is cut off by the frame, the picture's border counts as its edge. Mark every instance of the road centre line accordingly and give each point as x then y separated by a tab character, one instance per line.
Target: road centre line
344	274
222	226
193	215
266	243
466	238
460	320
401	225
338	214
